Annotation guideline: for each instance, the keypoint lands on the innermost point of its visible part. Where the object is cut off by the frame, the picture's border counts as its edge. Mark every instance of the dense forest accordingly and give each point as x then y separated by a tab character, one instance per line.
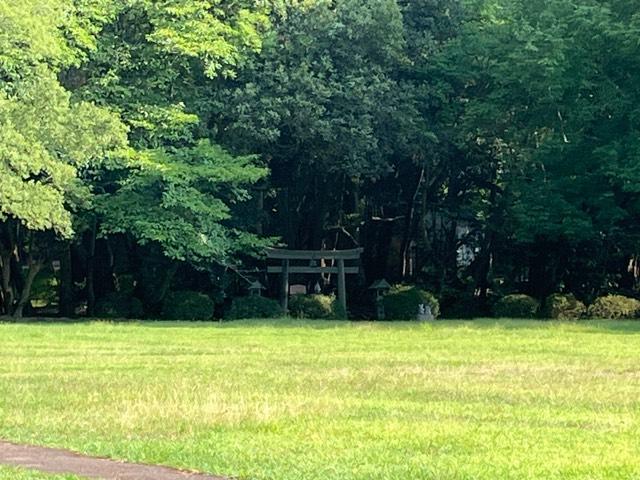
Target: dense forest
475	148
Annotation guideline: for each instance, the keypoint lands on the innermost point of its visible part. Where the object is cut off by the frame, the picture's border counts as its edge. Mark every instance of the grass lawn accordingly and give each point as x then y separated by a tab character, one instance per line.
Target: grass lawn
333	401
7	473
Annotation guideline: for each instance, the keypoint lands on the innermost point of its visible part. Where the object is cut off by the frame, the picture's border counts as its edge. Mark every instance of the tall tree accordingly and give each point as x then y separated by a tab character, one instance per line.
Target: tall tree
551	97
46	139
340	104
154	63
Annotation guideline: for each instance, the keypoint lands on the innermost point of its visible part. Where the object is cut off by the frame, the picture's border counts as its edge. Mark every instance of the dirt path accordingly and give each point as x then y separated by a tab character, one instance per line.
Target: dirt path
53	460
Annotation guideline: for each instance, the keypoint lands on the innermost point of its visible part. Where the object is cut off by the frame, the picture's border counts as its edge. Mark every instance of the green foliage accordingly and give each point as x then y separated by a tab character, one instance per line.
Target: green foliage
516	305
48	140
315	307
126	284
254	306
217	32
403	302
176	189
45	136
119	305
53	32
45	289
45	139
180	200
549	97
323	81
327	103
460	305
187	305
614	307
563	307
393	124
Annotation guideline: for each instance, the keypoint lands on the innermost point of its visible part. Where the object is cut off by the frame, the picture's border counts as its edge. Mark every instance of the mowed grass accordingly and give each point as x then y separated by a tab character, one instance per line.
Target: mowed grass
333	401
8	473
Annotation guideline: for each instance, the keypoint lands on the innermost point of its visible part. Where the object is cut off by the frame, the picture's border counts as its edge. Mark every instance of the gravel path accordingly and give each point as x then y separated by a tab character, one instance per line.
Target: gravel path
53	460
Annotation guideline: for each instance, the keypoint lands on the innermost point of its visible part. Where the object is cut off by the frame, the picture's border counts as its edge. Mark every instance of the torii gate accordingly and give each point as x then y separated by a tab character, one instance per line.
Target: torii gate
311	256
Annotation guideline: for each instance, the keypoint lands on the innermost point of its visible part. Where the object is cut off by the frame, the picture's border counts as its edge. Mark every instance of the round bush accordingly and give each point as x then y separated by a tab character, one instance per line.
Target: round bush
254	307
563	307
315	307
460	305
119	305
615	306
403	302
516	305
187	305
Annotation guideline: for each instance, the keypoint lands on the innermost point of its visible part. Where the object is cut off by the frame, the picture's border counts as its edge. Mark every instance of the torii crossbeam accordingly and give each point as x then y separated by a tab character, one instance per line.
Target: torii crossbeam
288	256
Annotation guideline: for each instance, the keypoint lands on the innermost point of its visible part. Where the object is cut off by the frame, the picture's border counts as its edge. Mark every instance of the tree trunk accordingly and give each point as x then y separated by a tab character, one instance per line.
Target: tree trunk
91	292
7	290
409	227
260	215
165	286
34	268
484	261
65	292
7	252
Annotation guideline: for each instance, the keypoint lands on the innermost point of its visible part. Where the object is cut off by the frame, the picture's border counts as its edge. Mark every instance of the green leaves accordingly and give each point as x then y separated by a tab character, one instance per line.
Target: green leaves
155	63
30	34
546	82
56	33
320	87
182	199
44	140
218	34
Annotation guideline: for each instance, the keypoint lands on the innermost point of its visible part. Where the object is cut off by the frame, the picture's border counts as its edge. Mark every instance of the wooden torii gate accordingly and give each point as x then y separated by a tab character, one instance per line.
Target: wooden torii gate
314	265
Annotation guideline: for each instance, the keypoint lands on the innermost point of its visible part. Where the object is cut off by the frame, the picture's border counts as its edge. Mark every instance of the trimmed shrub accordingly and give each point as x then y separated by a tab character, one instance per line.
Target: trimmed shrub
316	307
119	305
459	305
403	301
561	306
187	305
517	305
614	306
254	307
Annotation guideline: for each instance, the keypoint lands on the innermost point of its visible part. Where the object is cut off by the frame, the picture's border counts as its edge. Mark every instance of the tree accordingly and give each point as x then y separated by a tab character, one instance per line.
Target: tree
180	199
339	103
551	99
46	140
174	193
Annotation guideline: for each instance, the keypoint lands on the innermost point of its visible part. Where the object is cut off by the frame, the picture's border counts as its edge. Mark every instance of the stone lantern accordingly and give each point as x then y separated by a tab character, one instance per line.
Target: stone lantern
255	289
380	287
